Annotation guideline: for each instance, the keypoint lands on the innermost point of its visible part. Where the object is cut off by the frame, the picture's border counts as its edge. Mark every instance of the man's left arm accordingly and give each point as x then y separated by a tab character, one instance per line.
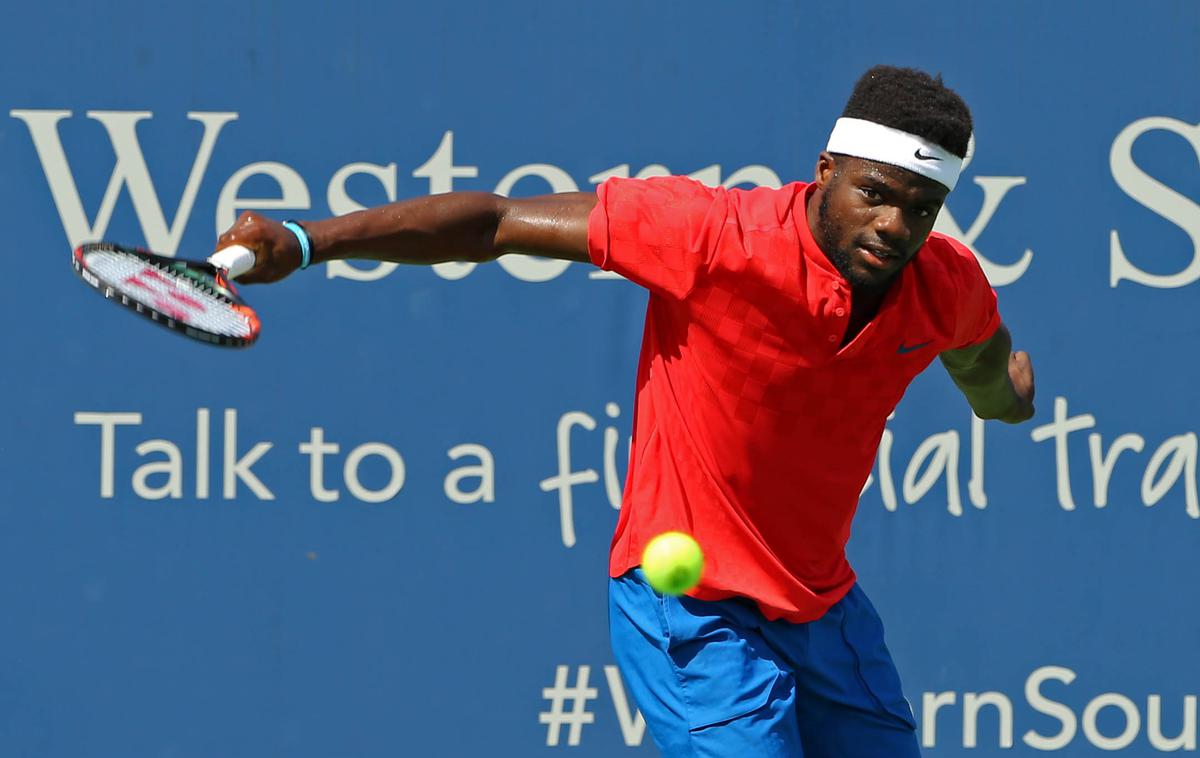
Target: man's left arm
997	382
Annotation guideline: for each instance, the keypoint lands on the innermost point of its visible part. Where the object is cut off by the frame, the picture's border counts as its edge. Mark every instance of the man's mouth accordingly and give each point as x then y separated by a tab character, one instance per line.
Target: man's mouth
879	257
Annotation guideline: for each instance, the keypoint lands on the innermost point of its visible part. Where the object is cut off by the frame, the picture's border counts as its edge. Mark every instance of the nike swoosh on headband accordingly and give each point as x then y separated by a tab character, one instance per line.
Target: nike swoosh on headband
923	157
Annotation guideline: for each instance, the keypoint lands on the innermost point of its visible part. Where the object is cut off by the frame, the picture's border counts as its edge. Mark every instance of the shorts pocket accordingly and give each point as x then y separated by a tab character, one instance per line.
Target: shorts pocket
725	670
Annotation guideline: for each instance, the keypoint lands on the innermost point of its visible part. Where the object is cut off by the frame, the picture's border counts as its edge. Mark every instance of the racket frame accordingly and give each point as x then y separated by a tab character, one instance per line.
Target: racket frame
220	287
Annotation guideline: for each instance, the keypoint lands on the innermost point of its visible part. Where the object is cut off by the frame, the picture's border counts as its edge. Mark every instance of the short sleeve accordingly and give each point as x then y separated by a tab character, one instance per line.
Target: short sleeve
978	312
660	233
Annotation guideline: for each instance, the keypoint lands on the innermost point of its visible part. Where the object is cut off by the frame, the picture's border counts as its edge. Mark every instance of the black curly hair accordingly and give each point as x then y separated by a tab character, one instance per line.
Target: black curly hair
914	102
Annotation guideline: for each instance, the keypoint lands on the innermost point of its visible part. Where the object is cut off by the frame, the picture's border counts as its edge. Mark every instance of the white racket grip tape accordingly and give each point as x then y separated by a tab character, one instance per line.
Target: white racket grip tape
235	259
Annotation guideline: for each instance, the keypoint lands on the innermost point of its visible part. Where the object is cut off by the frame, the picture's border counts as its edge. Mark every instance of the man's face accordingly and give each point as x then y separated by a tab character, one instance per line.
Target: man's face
873	217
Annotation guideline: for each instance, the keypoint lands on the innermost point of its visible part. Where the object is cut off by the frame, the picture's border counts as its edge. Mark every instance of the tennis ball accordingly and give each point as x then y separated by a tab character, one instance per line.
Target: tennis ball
672	563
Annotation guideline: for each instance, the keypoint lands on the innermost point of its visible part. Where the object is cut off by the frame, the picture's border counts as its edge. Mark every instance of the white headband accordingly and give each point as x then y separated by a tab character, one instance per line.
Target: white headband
876	142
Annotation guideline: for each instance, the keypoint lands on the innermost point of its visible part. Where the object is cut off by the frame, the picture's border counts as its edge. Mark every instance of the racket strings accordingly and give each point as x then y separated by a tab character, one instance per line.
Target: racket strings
217	287
179	295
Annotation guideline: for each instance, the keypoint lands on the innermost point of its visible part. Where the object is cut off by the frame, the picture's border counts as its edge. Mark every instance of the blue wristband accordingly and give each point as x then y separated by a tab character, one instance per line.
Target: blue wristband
305	242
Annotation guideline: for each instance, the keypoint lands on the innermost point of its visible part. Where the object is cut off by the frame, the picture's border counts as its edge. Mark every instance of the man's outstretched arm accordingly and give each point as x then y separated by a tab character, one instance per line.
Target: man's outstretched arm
997	382
459	226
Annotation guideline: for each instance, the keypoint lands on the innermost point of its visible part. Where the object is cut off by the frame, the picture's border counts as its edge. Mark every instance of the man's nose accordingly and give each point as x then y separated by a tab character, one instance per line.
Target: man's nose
891	226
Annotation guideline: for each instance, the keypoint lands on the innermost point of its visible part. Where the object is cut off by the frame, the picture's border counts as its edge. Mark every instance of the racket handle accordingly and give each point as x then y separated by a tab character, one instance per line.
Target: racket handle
235	260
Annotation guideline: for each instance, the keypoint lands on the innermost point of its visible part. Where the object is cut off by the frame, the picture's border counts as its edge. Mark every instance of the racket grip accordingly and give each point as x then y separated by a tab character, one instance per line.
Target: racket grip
235	260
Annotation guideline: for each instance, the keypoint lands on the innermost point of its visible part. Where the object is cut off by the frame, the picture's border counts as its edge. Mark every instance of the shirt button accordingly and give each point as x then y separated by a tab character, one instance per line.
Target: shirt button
837	286
840	311
833	338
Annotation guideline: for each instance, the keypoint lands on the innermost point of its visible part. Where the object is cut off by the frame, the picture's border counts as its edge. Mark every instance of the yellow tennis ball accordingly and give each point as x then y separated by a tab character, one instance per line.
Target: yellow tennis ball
673	563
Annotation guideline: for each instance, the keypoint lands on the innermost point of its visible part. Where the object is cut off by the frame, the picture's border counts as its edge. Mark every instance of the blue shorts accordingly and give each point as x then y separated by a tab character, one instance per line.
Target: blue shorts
716	679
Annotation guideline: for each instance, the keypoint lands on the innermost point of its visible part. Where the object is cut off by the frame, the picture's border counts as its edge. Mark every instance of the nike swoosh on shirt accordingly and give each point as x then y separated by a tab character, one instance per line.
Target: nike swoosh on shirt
906	349
922	157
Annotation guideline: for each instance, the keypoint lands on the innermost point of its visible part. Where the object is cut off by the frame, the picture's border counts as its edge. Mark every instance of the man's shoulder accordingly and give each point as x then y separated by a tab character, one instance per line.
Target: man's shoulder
760	208
944	256
768	207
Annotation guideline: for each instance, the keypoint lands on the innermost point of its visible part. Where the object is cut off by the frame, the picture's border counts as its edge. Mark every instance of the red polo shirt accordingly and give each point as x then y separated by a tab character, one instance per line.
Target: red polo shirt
754	429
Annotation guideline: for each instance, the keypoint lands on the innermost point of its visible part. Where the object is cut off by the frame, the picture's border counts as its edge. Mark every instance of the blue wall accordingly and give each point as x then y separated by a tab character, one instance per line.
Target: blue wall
159	611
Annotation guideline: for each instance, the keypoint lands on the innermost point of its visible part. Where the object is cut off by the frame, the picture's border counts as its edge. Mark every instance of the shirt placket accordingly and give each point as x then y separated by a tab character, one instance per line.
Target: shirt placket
837	314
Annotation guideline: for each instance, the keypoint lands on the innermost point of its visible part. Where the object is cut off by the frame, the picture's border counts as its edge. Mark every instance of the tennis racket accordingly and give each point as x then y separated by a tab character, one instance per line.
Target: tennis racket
192	298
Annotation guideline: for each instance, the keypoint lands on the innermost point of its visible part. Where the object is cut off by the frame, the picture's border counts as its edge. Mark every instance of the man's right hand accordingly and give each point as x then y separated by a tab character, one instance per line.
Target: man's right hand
276	249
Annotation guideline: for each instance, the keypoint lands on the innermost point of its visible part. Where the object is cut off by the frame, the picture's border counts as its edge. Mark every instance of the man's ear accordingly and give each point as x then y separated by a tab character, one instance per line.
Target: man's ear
825	168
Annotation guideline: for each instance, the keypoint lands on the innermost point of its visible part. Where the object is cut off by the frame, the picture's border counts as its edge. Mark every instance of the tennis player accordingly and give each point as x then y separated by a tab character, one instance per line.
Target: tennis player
783	327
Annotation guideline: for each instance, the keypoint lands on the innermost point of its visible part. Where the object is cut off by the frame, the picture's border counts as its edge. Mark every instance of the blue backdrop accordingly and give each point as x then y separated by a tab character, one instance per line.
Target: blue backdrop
362	536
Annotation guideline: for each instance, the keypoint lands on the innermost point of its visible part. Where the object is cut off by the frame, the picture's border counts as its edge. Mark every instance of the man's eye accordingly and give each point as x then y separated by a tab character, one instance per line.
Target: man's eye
869	193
